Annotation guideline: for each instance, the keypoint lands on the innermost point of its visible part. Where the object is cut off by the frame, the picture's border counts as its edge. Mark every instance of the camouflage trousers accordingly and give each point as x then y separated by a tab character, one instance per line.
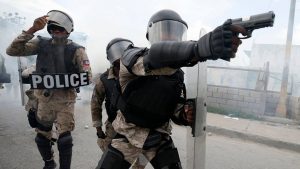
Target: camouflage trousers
61	114
134	155
110	134
139	163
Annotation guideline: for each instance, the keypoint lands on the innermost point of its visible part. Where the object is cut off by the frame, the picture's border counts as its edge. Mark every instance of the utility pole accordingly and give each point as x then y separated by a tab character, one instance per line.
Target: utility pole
281	110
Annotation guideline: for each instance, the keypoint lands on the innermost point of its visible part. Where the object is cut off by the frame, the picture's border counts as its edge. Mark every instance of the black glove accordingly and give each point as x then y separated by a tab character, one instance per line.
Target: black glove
101	134
221	43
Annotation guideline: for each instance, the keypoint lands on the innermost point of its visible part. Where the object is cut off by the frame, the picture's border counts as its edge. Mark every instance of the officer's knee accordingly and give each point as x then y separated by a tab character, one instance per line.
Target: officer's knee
113	159
42	140
167	157
65	141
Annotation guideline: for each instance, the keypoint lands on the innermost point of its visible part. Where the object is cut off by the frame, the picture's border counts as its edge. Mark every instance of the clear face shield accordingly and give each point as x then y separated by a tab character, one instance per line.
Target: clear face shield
167	30
116	50
61	19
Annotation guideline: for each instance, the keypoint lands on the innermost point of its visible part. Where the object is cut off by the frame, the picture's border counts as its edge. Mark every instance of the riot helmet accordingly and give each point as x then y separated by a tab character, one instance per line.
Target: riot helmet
116	48
58	19
166	25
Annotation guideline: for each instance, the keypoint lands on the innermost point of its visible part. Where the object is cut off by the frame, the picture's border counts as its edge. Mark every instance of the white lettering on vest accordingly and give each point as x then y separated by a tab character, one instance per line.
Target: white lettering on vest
83	79
58	83
48	81
74	81
67	84
35	80
54	81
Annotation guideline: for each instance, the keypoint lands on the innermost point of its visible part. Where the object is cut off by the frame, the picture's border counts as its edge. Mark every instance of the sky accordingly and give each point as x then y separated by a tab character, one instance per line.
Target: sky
103	20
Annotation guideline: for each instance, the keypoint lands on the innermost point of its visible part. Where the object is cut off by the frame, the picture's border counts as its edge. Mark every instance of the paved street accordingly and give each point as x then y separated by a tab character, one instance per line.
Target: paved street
227	153
18	149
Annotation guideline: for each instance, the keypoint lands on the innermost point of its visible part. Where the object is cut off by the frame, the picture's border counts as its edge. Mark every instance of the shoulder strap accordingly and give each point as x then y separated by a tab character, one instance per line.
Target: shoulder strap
131	55
103	76
70	50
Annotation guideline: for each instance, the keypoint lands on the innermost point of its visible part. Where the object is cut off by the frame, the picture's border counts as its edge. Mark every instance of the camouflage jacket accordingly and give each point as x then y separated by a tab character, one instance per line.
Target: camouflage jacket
137	135
98	98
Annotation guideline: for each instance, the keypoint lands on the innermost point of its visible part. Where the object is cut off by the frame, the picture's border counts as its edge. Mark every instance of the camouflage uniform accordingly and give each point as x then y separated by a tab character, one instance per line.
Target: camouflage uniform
135	135
58	108
96	111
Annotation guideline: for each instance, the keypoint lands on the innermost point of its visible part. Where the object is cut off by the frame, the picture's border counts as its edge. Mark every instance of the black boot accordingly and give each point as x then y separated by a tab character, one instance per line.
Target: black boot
50	164
45	148
64	145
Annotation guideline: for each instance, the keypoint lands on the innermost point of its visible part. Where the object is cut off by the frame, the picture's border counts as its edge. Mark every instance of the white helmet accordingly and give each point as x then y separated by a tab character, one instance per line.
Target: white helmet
61	19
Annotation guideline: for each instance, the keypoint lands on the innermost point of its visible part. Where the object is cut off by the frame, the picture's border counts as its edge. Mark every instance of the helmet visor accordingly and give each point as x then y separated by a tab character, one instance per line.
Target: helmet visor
167	30
61	19
116	50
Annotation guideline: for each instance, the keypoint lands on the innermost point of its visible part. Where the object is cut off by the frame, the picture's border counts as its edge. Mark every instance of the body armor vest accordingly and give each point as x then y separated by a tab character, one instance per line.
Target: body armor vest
110	85
53	58
151	100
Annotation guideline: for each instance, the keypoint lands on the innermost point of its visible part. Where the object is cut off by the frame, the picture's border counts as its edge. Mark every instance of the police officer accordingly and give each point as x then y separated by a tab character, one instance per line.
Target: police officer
104	89
152	87
104	86
57	54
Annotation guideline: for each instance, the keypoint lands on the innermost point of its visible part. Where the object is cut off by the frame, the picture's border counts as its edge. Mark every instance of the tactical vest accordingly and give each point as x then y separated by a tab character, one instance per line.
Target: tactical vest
110	85
54	59
150	101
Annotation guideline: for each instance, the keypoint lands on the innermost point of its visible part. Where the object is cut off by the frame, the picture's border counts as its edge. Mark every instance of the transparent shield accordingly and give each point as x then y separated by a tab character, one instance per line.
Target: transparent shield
4	76
25	67
196	85
116	51
167	30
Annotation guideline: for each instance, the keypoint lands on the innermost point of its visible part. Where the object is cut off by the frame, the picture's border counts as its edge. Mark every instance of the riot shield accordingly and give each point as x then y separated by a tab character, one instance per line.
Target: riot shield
196	86
4	76
23	64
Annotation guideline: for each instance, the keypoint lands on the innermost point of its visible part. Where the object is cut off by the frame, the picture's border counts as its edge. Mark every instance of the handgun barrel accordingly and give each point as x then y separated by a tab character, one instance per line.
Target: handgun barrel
256	21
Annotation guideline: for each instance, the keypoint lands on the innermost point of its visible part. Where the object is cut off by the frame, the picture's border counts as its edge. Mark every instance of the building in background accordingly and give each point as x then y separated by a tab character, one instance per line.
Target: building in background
254	90
274	54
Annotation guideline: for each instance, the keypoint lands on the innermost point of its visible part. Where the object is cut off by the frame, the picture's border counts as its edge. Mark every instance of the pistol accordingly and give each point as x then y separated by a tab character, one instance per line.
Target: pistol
255	22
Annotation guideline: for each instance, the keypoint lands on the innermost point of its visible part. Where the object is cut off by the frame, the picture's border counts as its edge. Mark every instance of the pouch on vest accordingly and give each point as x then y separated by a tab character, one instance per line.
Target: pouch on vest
151	100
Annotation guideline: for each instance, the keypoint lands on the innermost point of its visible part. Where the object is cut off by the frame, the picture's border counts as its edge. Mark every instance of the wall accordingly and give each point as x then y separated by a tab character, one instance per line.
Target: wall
249	101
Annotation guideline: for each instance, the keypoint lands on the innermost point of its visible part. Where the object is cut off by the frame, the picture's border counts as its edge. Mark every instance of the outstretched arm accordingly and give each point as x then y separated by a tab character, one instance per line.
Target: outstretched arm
221	43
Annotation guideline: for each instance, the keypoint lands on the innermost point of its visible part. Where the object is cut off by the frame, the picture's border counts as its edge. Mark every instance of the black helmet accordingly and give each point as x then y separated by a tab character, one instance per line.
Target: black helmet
116	48
164	15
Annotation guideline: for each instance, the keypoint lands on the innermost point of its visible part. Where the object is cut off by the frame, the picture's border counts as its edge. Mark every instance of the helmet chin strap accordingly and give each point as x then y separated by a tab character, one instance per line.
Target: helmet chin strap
60	39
